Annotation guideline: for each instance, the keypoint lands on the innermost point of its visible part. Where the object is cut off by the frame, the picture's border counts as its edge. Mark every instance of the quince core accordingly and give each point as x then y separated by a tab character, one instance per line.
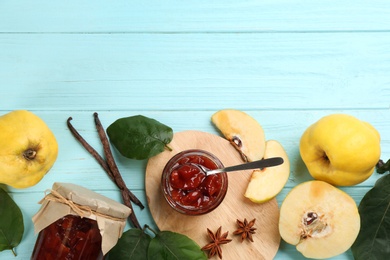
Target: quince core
320	219
28	149
243	132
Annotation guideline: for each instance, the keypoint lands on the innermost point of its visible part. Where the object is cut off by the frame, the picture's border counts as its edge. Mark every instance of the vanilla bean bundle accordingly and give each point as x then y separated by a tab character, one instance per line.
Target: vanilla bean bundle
109	166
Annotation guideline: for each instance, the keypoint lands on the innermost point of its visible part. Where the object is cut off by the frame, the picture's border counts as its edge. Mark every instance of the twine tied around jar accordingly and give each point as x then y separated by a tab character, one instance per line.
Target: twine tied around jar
82	211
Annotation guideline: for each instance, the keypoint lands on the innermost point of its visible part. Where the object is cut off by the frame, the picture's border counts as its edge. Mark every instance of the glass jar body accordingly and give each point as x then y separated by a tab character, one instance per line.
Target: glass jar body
70	237
187	189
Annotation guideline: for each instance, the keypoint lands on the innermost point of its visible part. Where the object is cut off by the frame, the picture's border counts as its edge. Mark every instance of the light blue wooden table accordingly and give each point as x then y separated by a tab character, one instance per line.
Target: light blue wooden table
286	63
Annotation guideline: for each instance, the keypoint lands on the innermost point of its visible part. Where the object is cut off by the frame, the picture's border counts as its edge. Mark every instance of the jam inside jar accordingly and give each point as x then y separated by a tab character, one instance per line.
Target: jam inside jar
70	237
187	189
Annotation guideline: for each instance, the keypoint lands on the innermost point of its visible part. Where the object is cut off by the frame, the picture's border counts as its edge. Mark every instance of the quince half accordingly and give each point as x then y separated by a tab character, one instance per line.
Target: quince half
28	149
340	149
243	132
266	183
321	220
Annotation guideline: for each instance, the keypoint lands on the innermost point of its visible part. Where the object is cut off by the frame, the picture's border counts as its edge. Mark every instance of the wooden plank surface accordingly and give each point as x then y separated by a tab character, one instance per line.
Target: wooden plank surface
174	16
285	63
248	71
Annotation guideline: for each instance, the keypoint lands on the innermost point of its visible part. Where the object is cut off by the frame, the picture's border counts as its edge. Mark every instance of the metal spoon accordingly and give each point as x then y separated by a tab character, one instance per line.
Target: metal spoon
269	162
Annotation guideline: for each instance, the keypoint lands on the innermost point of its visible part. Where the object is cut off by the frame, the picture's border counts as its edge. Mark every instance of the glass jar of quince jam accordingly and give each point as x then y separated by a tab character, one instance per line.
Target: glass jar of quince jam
70	237
187	189
75	223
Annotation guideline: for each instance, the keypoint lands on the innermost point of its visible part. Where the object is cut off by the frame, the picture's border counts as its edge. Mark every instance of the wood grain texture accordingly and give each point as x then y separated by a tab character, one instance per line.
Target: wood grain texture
234	206
255	71
174	16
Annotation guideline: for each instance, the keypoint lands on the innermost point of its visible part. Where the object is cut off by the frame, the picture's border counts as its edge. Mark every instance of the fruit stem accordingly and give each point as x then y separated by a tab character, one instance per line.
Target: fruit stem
382	167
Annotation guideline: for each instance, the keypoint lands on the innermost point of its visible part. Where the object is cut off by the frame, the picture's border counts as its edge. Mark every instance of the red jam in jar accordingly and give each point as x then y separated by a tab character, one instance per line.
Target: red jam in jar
70	237
187	189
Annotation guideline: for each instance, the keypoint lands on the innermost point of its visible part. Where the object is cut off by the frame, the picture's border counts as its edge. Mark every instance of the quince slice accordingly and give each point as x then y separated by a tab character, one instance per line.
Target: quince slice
266	183
243	132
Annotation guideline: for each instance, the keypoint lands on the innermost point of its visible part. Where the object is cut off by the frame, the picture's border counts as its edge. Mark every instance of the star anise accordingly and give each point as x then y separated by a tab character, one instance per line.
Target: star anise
245	229
214	247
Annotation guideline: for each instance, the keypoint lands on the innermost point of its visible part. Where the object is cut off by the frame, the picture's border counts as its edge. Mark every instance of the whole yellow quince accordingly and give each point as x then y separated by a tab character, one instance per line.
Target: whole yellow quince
28	149
340	149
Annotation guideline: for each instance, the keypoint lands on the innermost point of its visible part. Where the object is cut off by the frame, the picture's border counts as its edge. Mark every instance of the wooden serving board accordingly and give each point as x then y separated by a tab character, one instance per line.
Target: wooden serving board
235	205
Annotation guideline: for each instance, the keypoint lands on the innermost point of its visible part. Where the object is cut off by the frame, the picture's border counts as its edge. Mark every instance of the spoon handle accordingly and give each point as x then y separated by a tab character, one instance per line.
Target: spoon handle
269	162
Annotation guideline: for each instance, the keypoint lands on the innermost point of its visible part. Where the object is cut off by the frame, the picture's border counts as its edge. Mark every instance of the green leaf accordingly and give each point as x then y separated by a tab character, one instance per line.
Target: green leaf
133	245
169	245
139	137
373	241
11	222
